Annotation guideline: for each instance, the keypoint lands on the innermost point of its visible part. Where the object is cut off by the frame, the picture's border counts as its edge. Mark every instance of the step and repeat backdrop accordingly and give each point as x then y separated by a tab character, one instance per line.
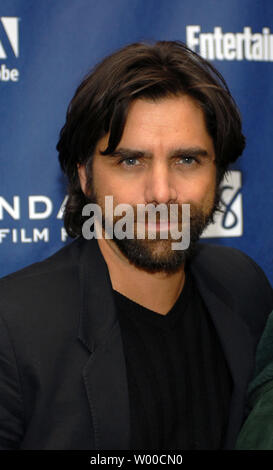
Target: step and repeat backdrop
47	47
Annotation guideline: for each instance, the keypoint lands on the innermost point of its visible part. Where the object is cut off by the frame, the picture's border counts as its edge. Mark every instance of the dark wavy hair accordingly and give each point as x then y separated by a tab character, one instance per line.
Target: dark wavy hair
142	70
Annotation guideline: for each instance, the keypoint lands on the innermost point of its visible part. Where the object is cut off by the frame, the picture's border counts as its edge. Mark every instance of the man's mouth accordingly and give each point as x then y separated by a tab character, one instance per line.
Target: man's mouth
161	225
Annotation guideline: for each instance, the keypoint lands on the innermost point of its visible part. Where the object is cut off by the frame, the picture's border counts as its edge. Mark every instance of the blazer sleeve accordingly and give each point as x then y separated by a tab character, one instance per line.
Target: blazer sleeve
257	431
11	403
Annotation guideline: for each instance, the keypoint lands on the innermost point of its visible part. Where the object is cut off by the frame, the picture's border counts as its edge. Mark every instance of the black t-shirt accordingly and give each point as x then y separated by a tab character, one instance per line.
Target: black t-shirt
178	380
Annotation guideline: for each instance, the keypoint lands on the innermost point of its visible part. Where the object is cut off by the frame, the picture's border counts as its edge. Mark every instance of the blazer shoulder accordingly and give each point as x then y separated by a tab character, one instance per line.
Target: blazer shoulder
62	259
41	284
232	264
231	271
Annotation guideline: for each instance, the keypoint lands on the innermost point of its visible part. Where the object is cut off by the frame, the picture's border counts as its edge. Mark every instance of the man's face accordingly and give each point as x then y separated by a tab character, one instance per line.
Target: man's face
165	156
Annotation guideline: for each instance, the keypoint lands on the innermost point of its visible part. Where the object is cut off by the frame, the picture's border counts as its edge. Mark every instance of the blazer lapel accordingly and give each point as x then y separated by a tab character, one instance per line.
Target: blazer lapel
105	371
234	337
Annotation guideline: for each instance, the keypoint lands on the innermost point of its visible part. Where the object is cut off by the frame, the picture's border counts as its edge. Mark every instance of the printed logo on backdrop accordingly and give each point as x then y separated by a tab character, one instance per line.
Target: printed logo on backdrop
219	45
40	209
9	47
229	222
34	229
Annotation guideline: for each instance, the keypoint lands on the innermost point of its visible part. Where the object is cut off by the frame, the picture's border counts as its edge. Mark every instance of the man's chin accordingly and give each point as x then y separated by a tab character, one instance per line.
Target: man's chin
152	255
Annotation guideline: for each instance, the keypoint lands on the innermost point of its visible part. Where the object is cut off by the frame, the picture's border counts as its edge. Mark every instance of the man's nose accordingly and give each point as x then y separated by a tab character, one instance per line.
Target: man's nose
159	187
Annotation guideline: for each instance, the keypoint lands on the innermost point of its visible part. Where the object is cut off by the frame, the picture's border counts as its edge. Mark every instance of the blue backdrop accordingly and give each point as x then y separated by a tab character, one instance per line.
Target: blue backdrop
47	46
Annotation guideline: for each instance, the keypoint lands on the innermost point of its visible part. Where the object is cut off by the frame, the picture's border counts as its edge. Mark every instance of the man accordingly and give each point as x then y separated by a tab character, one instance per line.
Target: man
257	431
126	343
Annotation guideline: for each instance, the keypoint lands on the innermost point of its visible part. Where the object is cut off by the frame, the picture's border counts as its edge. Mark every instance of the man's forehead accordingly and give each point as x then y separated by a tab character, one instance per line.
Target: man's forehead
172	125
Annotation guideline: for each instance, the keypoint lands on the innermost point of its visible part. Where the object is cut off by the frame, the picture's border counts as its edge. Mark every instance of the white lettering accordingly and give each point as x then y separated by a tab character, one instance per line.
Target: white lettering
3	233
62	208
247	39
109	217
257	49
207	46
14	235
33	200
43	235
231	46
11	27
8	74
152	210
185	242
21	235
266	43
218	35
14	211
192	40
270	46
124	227
24	238
64	234
95	221
239	46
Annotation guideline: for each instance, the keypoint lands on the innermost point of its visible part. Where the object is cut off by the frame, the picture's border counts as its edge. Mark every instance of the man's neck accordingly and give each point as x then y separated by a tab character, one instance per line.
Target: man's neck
155	291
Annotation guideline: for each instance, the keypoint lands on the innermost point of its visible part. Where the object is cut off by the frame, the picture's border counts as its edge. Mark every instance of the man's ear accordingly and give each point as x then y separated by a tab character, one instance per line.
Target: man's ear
82	176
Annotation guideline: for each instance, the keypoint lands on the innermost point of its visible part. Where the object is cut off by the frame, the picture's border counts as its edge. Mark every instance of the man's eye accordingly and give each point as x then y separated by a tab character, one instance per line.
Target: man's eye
130	162
187	160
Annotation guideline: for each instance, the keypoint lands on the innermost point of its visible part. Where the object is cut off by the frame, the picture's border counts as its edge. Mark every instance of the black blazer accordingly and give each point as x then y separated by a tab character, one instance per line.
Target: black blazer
63	378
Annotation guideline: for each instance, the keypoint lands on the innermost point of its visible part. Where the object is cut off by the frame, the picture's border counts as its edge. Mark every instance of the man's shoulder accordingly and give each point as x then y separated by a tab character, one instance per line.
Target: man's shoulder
39	308
231	264
219	253
55	279
237	278
63	259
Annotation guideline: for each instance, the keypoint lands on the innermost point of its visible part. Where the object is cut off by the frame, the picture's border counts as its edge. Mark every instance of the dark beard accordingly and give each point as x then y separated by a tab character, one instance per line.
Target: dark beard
145	254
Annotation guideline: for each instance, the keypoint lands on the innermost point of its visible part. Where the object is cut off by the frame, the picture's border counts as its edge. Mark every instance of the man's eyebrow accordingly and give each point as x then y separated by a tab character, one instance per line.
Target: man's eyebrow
129	153
189	151
123	152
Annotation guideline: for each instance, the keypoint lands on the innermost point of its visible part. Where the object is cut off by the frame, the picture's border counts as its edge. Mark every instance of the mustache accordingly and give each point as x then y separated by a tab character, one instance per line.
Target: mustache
157	213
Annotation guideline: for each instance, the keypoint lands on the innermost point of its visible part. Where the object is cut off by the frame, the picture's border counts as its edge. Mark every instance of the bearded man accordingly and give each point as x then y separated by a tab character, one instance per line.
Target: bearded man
124	342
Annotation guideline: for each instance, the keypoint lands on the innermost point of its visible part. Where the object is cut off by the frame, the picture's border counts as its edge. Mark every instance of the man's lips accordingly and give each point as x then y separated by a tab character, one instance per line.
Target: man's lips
162	225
